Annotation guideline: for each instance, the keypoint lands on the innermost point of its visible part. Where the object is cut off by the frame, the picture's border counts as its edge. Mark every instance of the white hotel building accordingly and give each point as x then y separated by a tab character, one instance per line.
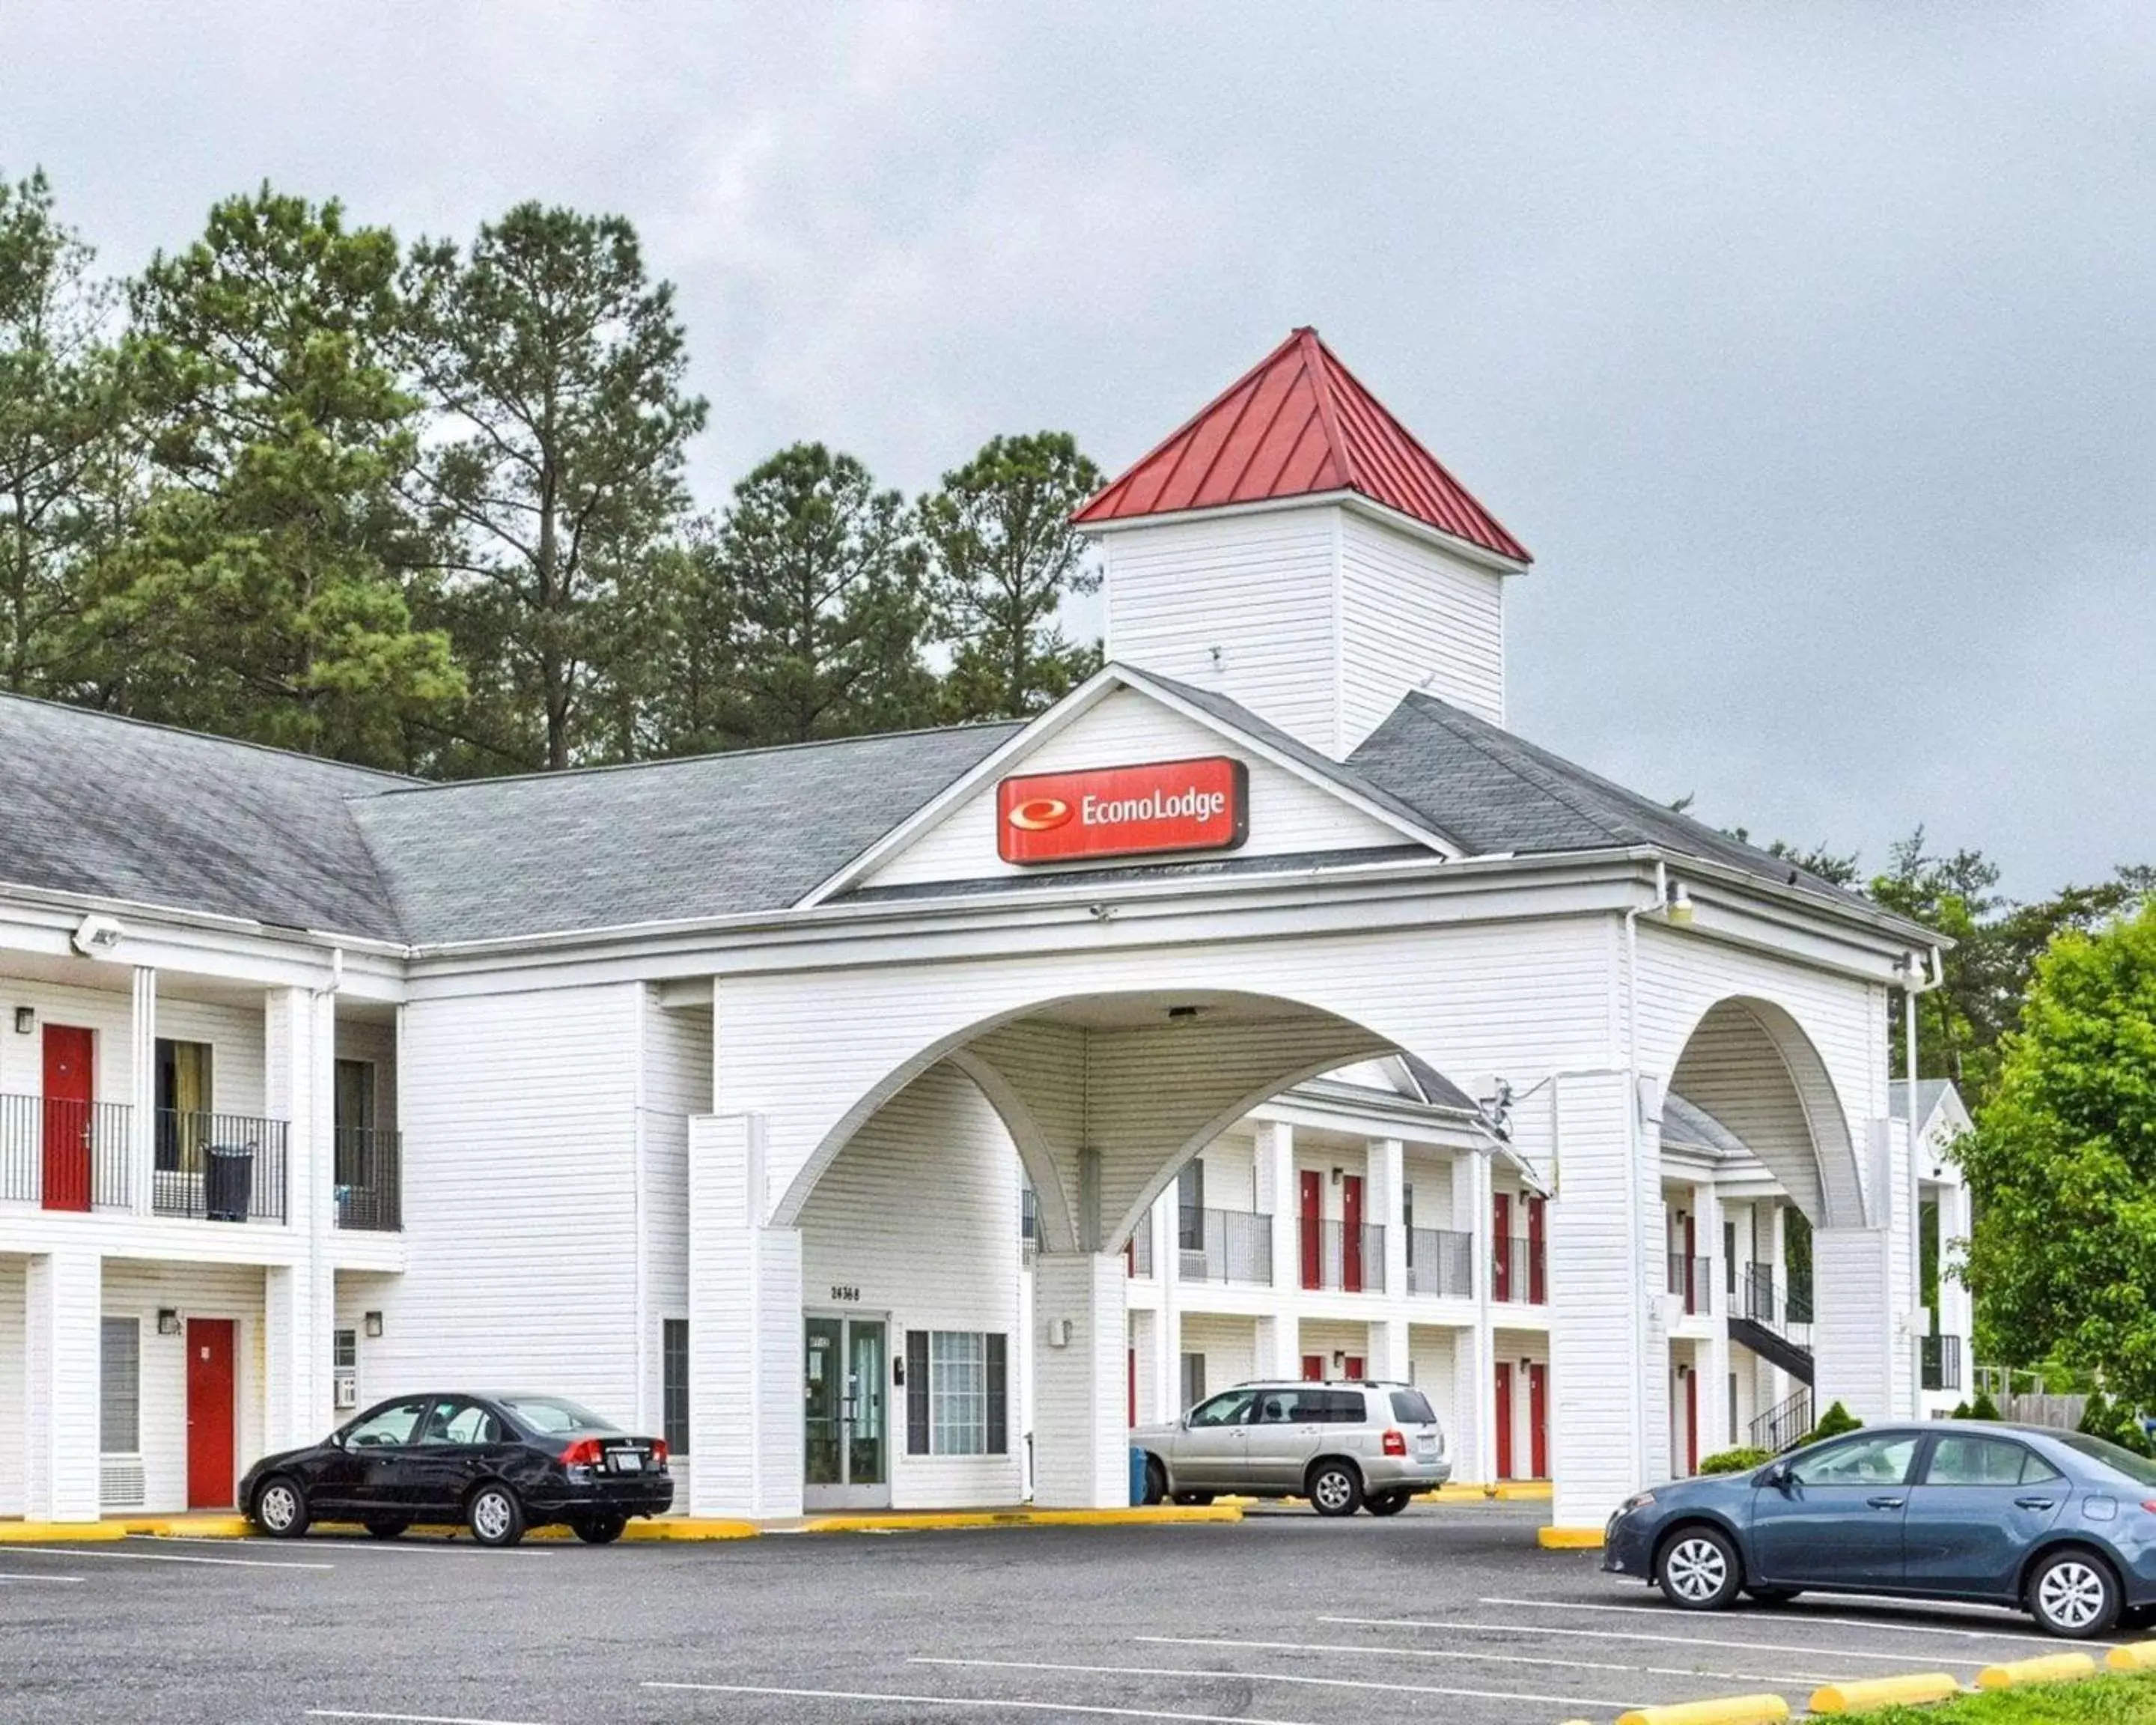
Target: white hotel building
867	1120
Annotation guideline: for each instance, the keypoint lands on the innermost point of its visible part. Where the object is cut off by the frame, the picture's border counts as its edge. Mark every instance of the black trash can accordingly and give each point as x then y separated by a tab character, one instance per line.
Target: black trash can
228	1181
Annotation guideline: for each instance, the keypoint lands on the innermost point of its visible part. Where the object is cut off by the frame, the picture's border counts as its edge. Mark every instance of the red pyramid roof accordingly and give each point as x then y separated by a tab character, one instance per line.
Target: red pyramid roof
1296	424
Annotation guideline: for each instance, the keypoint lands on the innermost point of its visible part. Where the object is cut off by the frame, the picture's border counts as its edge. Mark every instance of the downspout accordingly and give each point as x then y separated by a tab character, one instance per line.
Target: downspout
1915	982
1633	1219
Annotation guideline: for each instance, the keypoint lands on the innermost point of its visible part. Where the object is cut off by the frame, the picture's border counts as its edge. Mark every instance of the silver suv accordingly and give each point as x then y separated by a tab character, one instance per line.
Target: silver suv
1344	1447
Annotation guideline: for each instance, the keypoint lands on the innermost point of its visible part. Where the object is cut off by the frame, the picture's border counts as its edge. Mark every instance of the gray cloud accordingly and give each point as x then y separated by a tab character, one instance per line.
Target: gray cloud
1809	347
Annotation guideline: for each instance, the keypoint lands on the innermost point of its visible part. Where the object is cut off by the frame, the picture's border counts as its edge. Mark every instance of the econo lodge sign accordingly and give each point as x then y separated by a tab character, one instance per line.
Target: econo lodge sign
1124	811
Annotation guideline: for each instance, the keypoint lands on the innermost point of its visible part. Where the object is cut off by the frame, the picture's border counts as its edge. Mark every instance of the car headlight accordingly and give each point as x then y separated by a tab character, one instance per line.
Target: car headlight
1641	1501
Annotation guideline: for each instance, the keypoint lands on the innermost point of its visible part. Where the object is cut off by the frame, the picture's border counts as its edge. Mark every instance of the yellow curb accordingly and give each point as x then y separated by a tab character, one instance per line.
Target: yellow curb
2137	1656
1722	1710
1912	1691
187	1527
930	1522
59	1532
2050	1668
1569	1539
1524	1492
1461	1494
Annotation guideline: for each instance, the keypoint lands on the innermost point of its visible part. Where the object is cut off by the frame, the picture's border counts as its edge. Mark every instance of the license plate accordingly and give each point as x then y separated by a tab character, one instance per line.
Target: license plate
624	1461
1426	1449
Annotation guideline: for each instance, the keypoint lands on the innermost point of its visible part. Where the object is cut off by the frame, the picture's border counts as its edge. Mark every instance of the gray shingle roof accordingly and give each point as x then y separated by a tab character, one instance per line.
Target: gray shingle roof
1684	1123
112	807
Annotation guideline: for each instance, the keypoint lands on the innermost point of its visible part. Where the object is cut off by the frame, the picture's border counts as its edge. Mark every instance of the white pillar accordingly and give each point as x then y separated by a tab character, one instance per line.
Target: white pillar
1854	1322
299	1303
1477	1361
1385	1185
1081	1451
746	1434
1163	1219
142	1092
1277	1198
1711	1358
62	1358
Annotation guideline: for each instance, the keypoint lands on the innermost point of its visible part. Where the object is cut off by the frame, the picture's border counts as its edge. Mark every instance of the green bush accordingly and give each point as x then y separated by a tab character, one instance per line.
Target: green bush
1743	1460
2104	1418
1961	1412
1833	1422
1984	1408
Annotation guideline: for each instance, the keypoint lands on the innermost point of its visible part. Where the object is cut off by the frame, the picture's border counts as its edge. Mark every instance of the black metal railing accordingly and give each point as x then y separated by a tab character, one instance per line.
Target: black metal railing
1517	1276
370	1178
1782	1424
224	1168
1028	1225
1787	1312
1138	1250
1224	1245
1350	1260
1441	1262
1694	1279
65	1155
1938	1362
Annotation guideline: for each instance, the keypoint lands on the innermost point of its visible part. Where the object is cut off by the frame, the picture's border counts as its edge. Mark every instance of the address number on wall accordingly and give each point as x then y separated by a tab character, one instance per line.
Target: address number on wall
844	1291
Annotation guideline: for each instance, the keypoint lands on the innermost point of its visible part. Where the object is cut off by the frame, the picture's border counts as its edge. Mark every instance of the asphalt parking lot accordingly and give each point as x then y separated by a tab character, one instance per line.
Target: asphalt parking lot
1443	1614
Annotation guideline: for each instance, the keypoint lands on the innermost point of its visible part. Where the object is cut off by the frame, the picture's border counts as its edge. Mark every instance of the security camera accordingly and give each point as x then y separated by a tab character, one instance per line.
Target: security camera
97	937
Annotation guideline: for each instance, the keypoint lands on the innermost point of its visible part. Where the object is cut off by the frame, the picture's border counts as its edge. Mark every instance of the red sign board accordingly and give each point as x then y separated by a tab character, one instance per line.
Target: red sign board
1124	811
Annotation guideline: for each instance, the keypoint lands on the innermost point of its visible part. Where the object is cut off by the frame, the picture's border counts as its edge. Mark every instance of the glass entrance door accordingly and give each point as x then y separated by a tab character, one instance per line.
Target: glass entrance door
845	1399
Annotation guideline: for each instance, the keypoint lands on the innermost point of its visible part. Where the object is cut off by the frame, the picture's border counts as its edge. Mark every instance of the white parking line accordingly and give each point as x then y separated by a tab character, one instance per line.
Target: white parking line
970	1701
344	1542
165	1557
28	1576
410	1718
1143	1670
1522	1629
1801	1613
1363	1649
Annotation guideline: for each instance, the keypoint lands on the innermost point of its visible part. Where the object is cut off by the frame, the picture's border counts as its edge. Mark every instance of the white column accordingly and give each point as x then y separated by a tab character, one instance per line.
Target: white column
1711	1358
1279	1333
62	1358
299	1300
1475	1354
142	1091
745	1329
1854	1322
1167	1269
1081	1450
1385	1184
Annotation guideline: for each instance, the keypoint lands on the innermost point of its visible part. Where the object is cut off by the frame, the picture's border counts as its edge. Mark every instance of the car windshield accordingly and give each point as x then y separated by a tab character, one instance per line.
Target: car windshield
553	1415
2140	1469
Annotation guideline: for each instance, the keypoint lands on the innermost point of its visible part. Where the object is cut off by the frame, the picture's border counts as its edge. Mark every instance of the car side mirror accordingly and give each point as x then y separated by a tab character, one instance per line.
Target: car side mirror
1777	1476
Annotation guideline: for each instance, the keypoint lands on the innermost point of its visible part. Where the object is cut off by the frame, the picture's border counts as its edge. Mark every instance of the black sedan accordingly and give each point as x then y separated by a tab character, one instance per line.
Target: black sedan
496	1464
2061	1525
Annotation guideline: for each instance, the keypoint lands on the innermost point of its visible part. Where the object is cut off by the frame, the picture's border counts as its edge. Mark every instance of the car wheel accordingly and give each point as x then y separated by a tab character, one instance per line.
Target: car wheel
1700	1570
1388	1503
382	1528
1336	1489
600	1530
280	1508
495	1515
1156	1482
2074	1593
1772	1595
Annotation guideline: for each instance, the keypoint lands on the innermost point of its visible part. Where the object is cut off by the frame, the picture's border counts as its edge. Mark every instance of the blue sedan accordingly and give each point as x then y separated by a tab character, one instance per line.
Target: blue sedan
2058	1524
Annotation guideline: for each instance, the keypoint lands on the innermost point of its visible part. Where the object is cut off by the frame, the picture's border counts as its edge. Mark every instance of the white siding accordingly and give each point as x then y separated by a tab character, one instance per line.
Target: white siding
236	1080
1230	1345
1259	588
1433	1357
138	1290
1414	617
519	1196
1289	814
921	1214
14	1365
677	1083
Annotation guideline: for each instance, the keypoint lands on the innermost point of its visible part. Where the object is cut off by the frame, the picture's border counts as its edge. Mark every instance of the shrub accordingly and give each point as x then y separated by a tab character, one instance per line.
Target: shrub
1984	1408
2104	1418
1741	1460
1962	1411
1833	1422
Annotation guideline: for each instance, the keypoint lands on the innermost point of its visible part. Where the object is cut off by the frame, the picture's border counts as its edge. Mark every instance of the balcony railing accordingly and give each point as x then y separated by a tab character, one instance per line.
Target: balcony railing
1782	1424
1517	1276
1441	1262
370	1176
1138	1250
1335	1255
1938	1362
1224	1245
225	1168
1693	1278
65	1155
1763	1300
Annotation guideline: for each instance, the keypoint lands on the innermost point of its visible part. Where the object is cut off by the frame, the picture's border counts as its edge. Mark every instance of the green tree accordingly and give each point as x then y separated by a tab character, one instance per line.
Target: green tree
2063	1166
822	575
261	592
693	702
1002	558
61	401
555	474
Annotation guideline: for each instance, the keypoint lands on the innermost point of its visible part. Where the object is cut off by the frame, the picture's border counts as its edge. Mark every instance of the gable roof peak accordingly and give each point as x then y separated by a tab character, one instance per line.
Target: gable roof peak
1298	423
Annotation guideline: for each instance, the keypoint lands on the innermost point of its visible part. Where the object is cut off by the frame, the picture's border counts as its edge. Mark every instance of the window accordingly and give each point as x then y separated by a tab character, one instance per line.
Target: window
1190	1207
1407	1218
352	1100
385	1427
1861	1461
183	1102
1194	1380
2136	1468
460	1423
1978	1461
120	1387
549	1416
1230	1407
673	1383
344	1351
1411	1407
956	1396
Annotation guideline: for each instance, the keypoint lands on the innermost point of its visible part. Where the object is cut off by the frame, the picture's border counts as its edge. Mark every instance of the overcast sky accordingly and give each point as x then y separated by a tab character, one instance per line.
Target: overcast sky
1811	348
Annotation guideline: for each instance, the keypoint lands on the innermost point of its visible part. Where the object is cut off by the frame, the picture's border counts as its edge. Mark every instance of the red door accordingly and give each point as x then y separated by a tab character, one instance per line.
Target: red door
1504	1420
68	1053
1313	1368
1354	1368
210	1451
1351	1234
1501	1246
1691	1246
1537	1282
1539	1420
1313	1236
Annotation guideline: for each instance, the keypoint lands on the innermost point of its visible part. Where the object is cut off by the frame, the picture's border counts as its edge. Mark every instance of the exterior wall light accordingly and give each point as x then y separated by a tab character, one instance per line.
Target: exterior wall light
25	1018
374	1323
1680	905
169	1320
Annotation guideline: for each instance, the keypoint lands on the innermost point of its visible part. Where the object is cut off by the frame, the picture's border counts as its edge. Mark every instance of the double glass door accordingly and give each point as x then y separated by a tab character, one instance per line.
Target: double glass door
846	1399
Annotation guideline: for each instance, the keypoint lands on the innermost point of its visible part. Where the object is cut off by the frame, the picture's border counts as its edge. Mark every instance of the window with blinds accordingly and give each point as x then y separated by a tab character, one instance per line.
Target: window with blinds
119	1398
674	1382
956	1392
